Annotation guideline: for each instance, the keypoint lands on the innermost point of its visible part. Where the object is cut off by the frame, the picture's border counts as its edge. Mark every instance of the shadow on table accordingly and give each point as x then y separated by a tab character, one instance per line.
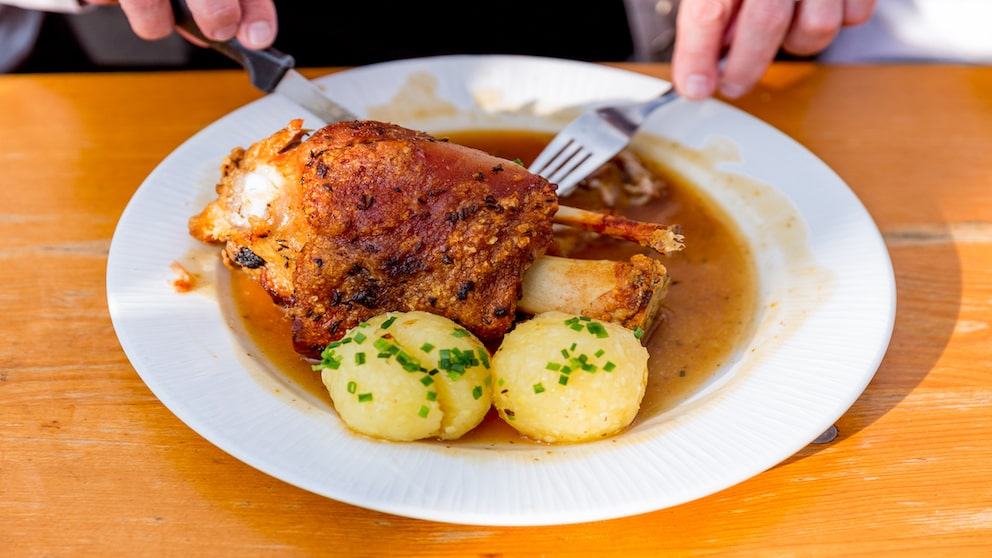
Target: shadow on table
928	286
882	160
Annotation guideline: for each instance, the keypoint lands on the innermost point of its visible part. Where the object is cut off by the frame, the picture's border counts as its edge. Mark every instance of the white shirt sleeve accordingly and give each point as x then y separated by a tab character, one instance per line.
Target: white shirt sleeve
64	6
918	31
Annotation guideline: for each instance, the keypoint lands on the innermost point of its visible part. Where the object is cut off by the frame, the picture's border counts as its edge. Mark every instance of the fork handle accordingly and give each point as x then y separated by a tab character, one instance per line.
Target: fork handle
629	117
265	67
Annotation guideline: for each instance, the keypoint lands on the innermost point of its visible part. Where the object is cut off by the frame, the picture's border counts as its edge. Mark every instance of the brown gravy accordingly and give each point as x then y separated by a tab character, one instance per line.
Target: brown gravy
707	316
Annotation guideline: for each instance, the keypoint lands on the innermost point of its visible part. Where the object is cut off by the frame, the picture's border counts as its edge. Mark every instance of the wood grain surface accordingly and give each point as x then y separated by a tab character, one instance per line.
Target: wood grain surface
92	464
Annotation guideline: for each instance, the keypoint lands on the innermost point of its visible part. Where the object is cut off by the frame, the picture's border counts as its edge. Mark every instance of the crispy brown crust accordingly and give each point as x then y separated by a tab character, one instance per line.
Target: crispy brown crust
373	217
403	221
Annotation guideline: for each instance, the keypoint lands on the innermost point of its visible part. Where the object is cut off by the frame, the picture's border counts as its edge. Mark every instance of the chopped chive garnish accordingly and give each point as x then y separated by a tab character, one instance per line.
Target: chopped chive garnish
328	360
600	353
424	411
609	366
564	353
359	358
364	397
408	363
597	329
572	348
477	392
582	362
552	366
638	332
459	333
484	356
389	322
427	347
427	380
563	380
538	388
432	396
352	387
455	361
359	337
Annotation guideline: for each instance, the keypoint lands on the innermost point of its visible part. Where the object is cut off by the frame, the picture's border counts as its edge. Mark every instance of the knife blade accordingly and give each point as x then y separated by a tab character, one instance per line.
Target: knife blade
269	70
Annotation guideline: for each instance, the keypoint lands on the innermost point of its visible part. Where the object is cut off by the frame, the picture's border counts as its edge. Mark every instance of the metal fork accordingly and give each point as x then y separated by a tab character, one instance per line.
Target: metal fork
592	139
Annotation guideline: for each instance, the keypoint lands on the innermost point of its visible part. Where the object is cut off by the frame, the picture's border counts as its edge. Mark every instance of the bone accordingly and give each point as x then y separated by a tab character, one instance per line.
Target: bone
661	238
628	293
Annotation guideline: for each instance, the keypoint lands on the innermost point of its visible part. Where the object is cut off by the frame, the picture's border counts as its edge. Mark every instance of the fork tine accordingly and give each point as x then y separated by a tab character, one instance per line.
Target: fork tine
554	154
551	153
591	140
567	165
580	172
566	159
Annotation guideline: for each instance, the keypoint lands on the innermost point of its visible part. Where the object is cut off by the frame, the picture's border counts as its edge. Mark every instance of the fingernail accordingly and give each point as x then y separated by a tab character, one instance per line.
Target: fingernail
259	34
731	90
697	86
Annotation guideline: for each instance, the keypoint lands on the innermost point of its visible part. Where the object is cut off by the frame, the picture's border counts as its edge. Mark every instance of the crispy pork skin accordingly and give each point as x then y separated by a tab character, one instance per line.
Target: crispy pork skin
361	218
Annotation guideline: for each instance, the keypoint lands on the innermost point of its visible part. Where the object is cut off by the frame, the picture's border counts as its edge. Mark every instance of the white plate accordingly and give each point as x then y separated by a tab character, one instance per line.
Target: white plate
826	310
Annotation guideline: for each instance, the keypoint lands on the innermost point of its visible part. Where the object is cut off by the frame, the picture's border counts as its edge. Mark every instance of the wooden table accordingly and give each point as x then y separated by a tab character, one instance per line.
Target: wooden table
91	463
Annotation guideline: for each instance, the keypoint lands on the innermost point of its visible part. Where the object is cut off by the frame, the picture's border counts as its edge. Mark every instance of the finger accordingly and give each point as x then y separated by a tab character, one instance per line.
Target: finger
217	19
149	19
191	38
814	26
258	23
699	31
857	12
761	28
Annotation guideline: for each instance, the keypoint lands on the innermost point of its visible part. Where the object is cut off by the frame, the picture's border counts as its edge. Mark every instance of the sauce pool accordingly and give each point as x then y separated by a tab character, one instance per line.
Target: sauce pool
707	313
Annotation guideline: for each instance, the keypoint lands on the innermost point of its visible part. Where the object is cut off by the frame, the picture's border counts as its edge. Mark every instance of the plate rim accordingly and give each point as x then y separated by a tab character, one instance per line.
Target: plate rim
121	267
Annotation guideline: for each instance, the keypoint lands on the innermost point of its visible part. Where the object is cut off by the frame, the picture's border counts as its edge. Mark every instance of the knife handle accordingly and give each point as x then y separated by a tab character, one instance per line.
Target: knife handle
265	67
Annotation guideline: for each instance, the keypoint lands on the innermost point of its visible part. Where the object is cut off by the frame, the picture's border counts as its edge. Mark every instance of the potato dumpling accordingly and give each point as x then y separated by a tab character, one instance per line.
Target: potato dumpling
407	376
561	378
462	361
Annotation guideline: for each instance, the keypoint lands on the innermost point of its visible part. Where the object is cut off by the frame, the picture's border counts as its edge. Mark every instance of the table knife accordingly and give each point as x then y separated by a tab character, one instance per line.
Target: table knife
269	70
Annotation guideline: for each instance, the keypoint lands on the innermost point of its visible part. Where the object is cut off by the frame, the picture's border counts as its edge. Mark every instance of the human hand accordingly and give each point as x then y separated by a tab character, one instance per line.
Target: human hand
252	22
754	31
